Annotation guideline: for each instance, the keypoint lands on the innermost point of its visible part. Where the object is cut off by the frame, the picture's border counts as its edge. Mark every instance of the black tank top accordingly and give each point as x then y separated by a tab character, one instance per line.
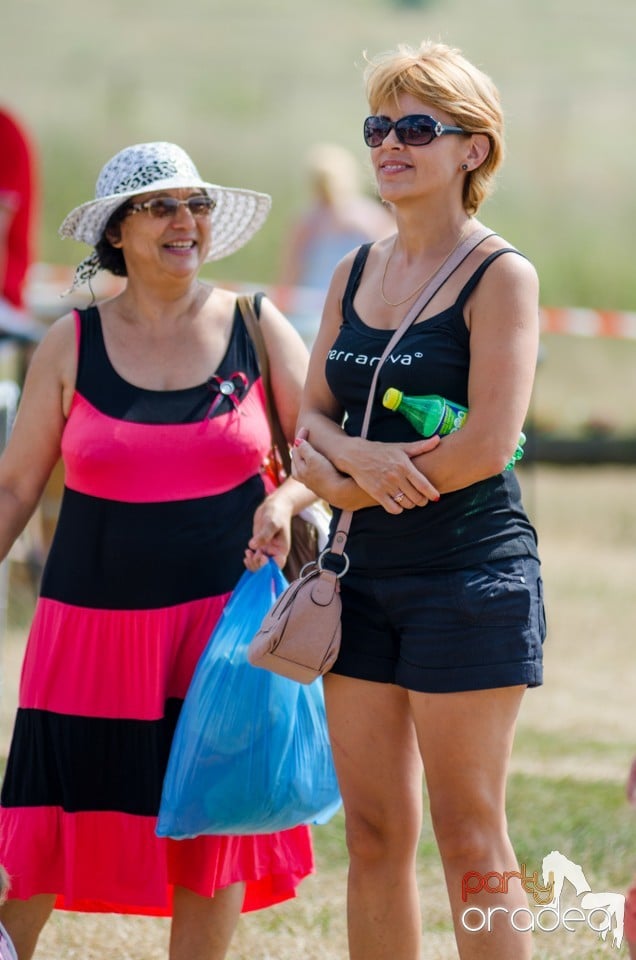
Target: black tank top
479	523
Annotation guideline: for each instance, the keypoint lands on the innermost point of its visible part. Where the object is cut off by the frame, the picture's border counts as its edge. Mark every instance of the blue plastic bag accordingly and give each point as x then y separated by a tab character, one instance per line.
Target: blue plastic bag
251	752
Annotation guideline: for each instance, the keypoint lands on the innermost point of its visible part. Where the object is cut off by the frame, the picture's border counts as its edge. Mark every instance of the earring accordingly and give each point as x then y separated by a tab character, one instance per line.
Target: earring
464	166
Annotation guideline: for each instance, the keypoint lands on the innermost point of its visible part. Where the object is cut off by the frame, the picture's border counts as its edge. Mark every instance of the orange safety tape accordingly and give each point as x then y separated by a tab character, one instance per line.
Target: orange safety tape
588	323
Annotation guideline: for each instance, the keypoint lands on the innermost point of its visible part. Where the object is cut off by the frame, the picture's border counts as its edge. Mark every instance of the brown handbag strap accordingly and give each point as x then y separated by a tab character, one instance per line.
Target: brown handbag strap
246	305
457	257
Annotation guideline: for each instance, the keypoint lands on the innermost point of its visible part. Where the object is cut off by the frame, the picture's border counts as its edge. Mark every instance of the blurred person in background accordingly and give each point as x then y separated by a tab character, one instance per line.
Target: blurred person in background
442	610
339	217
155	402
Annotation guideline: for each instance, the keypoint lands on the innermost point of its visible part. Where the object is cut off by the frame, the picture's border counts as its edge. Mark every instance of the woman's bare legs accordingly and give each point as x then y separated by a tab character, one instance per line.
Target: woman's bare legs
466	740
202	927
380	774
24	921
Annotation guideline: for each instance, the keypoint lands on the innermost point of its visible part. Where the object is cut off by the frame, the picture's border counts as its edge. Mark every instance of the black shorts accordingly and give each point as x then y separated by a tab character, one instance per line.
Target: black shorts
445	631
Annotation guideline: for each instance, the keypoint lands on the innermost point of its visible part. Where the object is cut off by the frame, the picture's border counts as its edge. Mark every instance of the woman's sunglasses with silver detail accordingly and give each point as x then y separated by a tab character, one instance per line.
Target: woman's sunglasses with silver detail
164	207
414	130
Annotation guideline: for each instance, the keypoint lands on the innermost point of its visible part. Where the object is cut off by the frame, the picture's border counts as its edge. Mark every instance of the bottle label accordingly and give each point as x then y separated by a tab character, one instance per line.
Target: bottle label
452	419
460	416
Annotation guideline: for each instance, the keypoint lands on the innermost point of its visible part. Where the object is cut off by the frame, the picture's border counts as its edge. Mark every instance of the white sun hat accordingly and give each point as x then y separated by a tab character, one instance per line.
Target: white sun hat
147	167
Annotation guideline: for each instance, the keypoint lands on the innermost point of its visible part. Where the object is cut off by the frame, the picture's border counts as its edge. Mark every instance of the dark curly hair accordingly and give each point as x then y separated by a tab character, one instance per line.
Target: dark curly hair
110	257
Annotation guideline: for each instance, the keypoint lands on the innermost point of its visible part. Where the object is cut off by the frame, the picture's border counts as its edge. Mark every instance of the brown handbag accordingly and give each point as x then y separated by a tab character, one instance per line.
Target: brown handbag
304	533
300	636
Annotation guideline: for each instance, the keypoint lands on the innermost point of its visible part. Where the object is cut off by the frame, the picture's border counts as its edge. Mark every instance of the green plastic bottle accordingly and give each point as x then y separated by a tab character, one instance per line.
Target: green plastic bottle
433	414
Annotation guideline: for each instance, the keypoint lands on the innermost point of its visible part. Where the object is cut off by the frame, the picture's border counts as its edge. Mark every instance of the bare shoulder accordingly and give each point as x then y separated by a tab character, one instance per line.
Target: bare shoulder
507	290
511	274
58	348
52	371
272	317
513	264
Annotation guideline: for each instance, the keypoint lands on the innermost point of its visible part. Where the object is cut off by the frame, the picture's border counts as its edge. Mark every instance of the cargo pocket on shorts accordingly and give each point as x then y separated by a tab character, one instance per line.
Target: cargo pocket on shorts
496	594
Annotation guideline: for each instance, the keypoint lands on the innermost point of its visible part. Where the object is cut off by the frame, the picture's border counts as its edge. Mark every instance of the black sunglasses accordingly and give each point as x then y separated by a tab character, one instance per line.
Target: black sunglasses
162	207
416	130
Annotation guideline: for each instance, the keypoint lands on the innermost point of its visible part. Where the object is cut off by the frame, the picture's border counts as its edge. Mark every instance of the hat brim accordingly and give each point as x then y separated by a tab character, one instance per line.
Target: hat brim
237	216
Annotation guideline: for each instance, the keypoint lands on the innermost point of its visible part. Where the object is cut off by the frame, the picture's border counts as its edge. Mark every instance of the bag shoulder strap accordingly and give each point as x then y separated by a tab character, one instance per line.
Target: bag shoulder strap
247	307
446	270
435	283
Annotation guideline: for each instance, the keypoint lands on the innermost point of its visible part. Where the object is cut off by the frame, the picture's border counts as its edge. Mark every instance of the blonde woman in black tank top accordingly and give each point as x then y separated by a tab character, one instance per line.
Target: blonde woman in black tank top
443	618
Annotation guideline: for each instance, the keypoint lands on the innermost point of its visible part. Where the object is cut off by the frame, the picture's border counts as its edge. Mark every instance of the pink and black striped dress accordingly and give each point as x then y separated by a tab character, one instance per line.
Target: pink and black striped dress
160	492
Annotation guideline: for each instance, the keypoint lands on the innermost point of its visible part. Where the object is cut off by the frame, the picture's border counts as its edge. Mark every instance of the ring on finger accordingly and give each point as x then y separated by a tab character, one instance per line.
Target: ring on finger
399	496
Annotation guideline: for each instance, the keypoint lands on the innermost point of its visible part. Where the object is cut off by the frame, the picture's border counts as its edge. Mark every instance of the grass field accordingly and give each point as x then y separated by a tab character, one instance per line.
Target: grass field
247	87
575	742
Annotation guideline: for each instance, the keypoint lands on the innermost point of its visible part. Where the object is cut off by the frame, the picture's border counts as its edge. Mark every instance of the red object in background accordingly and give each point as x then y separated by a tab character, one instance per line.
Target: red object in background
17	191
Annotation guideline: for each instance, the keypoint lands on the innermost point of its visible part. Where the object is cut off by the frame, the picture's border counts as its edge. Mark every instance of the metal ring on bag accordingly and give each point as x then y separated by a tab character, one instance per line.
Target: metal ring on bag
306	568
326	553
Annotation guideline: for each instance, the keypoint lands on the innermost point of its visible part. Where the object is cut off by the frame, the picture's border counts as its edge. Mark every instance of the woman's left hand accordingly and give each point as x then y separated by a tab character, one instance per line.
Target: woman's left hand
387	473
271	534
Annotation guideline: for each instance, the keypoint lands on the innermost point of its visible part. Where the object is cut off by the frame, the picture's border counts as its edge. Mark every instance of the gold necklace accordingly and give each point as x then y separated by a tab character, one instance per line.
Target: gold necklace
397	303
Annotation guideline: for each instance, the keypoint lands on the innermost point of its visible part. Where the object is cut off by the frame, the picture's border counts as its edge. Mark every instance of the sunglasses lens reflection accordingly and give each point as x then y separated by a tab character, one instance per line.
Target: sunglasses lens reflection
200	206
415	131
376	129
161	207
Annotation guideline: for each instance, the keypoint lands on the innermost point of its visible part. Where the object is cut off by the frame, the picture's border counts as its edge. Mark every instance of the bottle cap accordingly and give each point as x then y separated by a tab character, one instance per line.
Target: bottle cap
392	398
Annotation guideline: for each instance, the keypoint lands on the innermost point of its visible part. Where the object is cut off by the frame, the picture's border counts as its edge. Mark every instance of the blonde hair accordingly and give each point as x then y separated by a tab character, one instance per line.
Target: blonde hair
442	77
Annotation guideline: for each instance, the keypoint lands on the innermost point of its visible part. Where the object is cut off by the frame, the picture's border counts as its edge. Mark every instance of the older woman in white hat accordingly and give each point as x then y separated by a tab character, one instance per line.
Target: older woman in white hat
154	401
